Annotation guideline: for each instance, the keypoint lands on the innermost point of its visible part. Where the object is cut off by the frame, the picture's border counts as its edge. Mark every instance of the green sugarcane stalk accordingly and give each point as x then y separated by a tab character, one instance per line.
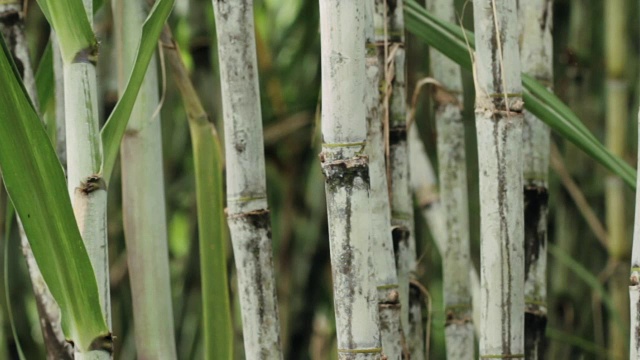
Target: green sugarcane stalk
143	200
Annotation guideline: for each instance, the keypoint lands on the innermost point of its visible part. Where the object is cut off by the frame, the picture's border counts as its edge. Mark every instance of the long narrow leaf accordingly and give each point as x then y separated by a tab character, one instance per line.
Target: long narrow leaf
36	185
8	220
457	44
116	125
212	226
44	78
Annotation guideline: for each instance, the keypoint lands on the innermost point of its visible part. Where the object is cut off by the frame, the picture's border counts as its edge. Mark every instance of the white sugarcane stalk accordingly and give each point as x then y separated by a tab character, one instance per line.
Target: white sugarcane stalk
86	186
247	208
499	131
459	334
425	188
389	28
345	165
536	52
143	198
12	28
634	283
391	333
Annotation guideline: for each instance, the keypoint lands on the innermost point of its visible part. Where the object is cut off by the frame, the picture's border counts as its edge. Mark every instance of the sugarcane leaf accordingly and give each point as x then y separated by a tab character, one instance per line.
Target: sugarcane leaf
212	225
70	21
44	78
36	185
116	125
458	44
8	220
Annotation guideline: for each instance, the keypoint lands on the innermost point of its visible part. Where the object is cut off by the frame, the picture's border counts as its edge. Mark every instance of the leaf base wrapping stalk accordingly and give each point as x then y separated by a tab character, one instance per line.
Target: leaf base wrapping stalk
256	283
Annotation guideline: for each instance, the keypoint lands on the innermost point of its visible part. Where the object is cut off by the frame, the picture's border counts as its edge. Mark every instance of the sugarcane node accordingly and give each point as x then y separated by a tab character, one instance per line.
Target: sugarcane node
257	218
88	55
344	171
10	17
397	134
103	343
93	183
634	280
394	296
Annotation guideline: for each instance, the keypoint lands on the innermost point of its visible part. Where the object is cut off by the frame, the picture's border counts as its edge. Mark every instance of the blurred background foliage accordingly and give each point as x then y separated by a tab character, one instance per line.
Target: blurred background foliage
288	48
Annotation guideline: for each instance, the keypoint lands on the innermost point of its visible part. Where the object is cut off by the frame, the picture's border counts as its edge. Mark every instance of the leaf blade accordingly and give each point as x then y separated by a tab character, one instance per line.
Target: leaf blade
36	185
116	125
452	41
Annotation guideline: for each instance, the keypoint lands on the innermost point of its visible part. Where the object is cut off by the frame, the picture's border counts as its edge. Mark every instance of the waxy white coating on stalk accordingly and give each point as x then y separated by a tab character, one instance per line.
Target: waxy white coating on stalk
459	334
247	207
389	32
84	164
499	133
246	185
143	200
536	52
382	243
415	333
634	281
425	189
345	164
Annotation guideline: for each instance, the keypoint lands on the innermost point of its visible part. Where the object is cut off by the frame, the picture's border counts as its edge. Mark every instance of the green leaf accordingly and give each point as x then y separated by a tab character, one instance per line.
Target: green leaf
116	125
35	182
70	21
457	44
212	225
44	78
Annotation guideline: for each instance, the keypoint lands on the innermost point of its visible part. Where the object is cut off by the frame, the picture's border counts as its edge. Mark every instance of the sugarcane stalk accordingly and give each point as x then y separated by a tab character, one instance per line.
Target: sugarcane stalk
247	208
634	281
143	200
345	165
453	197
616	127
391	333
499	122
389	31
536	51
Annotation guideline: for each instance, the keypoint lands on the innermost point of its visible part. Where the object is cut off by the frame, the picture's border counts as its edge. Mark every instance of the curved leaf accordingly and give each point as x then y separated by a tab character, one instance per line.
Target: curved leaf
457	44
36	185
